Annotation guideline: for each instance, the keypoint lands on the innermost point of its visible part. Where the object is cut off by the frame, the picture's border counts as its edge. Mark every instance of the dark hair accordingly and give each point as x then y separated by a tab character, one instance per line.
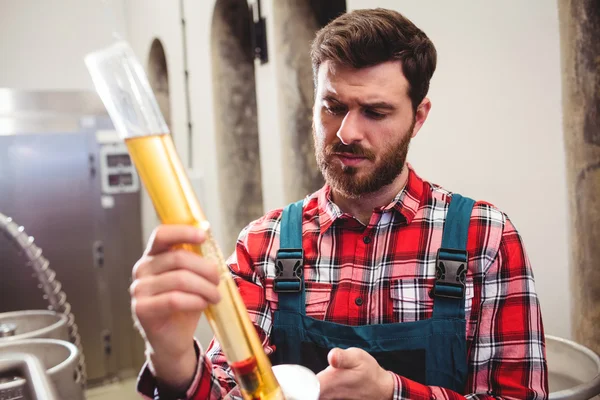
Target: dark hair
364	38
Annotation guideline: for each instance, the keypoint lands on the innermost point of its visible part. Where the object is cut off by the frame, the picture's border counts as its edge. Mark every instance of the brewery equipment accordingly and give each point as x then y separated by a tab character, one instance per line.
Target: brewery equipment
66	176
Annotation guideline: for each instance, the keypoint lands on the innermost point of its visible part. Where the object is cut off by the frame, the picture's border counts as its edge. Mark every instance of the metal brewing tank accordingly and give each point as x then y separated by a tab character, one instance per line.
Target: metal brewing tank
67	178
30	324
58	357
573	370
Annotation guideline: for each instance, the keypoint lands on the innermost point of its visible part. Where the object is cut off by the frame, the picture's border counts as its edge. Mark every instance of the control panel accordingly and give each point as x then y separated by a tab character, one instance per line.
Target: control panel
117	171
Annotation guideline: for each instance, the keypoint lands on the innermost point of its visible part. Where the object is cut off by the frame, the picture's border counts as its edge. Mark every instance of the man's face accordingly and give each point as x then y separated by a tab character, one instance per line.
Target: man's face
363	123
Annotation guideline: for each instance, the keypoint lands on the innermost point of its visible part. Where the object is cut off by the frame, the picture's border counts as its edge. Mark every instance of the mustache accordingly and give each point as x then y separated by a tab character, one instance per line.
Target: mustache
353	148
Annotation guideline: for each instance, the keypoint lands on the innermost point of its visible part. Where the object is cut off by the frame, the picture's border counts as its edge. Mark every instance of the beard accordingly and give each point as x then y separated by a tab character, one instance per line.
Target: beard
346	179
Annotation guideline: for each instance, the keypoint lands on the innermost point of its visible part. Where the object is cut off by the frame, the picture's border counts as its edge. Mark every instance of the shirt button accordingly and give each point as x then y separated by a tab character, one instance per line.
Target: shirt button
358	301
366	240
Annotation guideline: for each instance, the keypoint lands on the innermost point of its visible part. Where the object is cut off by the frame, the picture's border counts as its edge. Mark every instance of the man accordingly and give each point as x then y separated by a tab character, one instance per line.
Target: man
384	307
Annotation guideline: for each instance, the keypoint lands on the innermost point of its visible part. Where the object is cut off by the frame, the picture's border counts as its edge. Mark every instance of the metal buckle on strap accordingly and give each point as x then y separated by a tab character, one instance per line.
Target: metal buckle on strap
288	269
450	273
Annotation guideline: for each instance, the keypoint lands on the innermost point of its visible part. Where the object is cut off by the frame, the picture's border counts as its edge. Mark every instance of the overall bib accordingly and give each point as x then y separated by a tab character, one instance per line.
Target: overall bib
432	352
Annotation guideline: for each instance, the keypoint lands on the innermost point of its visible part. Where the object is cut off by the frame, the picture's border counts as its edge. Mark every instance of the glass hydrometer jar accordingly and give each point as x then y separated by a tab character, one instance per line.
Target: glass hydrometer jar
126	93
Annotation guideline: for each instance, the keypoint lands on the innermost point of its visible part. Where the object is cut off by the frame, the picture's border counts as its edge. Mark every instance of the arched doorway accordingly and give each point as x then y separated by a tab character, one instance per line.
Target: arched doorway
296	25
234	94
158	75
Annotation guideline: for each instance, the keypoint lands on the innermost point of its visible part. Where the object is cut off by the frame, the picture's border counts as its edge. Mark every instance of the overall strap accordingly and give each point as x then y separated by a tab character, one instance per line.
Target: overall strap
451	261
289	265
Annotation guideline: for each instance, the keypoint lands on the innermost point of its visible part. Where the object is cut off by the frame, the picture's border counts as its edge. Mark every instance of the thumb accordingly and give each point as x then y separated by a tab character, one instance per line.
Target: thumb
344	359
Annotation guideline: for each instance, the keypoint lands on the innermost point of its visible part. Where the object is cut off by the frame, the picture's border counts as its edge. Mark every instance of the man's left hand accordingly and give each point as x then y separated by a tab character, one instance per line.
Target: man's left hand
354	374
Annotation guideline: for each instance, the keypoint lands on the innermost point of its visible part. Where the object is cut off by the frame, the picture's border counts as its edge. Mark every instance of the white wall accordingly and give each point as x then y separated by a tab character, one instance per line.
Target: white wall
495	128
44	42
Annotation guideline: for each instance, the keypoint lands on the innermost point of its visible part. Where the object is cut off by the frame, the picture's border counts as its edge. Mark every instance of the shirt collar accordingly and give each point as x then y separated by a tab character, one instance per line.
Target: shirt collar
406	202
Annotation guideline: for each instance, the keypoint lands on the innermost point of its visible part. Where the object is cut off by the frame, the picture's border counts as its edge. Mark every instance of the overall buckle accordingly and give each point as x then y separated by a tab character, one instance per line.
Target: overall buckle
288	269
450	273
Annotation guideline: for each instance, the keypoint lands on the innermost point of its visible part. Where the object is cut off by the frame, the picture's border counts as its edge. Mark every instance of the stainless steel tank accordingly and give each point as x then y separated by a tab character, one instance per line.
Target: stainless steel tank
58	357
573	370
29	367
60	158
30	324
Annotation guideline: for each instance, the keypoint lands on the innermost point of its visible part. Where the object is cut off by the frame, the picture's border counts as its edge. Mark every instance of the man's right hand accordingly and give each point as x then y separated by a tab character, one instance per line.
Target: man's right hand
171	287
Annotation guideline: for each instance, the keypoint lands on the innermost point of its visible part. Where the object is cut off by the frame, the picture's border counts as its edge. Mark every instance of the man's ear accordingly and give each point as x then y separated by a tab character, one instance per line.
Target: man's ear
421	115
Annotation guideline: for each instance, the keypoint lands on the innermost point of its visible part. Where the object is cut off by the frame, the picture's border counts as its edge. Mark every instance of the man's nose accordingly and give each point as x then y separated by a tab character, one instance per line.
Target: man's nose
349	131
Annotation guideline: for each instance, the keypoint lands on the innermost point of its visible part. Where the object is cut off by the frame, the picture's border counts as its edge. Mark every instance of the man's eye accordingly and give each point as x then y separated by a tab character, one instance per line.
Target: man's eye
374	114
334	110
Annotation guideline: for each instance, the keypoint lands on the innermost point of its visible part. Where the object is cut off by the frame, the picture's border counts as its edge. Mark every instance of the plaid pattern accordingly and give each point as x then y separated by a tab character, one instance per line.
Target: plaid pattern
390	265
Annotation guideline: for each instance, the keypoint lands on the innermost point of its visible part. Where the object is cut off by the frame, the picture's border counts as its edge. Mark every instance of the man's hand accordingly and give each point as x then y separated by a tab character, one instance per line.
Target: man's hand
354	374
171	287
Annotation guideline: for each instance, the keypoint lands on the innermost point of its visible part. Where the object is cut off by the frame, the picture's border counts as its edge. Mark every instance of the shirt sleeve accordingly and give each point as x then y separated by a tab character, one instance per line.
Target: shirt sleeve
214	379
507	357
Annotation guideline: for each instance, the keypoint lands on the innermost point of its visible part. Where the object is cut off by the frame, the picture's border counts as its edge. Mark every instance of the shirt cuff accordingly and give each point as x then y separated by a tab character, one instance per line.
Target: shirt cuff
397	386
199	366
149	388
405	389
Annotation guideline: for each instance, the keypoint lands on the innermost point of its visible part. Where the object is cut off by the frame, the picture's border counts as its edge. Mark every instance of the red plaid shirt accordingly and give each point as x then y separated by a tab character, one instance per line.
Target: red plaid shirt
390	264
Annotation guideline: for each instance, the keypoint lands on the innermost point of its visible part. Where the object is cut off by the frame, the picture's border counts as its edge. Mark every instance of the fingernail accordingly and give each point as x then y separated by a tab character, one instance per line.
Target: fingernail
332	357
200	235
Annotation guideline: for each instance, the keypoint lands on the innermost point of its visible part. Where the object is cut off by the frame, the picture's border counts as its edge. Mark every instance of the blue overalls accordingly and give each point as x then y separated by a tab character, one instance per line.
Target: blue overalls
432	352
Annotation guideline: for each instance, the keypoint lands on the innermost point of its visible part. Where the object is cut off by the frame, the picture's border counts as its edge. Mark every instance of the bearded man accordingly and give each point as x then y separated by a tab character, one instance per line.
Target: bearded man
385	285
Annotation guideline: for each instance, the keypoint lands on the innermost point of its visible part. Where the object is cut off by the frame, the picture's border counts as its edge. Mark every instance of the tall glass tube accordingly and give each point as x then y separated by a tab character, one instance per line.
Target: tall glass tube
126	93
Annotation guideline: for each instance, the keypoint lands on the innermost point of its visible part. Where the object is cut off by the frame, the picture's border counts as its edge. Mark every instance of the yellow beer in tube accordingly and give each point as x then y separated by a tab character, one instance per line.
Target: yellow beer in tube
125	91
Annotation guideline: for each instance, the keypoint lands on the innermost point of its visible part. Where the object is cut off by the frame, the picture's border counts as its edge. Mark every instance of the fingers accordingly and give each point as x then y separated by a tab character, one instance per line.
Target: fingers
354	374
326	383
333	383
175	260
176	281
166	281
334	356
334	379
167	304
166	236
